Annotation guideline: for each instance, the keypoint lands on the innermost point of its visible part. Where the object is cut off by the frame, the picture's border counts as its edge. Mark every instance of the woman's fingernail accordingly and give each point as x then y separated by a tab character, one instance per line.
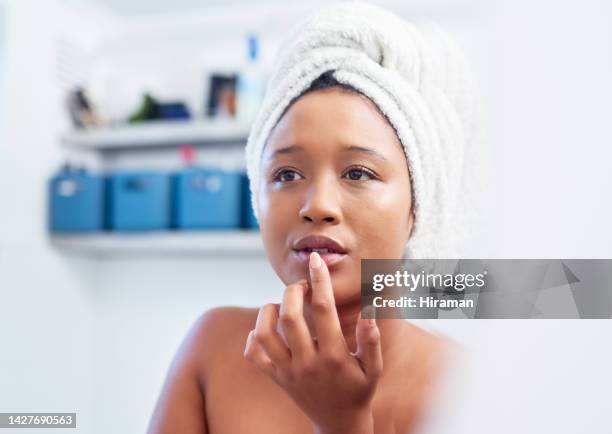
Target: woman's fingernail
372	321
315	260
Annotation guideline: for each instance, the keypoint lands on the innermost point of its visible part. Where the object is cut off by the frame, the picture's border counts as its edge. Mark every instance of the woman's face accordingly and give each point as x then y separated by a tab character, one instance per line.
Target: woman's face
334	167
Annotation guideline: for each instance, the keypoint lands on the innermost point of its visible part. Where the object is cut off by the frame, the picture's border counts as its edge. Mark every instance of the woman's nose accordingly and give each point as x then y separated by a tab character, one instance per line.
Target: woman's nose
321	204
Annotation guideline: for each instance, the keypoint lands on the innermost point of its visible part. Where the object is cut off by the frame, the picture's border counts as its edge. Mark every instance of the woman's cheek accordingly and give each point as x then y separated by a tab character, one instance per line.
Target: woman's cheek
388	226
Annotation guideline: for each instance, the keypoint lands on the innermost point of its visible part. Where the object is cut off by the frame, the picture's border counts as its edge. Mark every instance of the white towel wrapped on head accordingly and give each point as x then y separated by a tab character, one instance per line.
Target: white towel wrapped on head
417	77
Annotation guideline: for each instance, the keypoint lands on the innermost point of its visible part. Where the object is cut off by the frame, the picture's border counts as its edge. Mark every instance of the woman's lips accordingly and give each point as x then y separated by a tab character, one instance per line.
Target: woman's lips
330	258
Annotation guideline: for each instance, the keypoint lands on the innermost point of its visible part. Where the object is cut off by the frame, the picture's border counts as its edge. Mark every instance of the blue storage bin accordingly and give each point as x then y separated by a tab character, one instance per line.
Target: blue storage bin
76	202
249	220
207	198
139	201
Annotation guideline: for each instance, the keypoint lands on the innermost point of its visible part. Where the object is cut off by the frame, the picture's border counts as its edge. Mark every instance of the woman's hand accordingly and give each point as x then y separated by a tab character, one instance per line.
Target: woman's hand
333	386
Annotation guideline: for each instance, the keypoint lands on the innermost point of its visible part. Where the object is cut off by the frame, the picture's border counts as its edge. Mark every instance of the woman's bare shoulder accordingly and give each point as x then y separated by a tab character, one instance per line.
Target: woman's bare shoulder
220	330
215	336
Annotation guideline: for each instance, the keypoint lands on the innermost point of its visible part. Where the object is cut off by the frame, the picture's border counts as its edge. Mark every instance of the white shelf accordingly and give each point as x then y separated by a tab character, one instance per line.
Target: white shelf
158	134
234	242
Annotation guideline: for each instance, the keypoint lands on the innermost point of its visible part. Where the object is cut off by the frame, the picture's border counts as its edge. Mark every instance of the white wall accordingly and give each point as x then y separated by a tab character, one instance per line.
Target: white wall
550	106
2	65
46	300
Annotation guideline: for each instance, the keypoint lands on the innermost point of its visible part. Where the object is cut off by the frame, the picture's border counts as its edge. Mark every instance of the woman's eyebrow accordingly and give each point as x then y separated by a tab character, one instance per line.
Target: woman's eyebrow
355	148
286	150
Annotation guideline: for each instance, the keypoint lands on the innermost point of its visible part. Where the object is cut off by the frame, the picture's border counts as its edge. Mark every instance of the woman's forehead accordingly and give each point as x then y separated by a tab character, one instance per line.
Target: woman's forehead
334	121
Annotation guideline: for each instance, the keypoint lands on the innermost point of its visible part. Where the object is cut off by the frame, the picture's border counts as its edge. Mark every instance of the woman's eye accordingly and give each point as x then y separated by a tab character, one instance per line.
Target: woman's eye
356	174
286	175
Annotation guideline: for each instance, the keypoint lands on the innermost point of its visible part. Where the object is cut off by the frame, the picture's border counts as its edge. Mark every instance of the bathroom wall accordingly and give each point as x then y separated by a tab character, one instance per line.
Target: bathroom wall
2	61
47	316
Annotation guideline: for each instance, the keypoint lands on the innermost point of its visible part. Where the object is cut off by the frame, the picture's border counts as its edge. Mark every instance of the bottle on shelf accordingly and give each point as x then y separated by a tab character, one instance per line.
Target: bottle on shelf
251	84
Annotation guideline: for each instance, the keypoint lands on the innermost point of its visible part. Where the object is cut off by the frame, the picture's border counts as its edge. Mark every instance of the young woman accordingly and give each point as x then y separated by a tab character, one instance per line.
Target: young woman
333	182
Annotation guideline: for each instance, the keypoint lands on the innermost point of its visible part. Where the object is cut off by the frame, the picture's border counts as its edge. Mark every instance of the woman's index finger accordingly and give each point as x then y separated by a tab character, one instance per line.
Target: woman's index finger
325	316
